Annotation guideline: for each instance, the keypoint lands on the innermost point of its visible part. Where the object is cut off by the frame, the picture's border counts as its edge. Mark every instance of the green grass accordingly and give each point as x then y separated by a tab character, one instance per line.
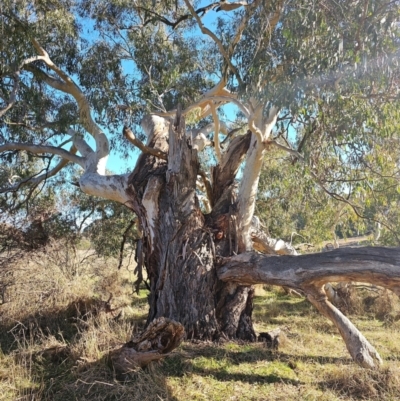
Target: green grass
55	338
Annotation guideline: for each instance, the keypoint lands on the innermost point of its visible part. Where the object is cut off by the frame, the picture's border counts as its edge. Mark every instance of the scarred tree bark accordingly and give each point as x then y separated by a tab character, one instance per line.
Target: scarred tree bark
181	243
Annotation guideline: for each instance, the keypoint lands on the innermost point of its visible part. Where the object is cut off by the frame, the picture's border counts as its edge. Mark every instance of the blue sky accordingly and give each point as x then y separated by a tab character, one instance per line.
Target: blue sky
116	163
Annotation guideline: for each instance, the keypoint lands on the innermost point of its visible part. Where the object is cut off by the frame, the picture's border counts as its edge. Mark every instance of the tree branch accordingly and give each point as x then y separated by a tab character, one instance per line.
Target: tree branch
309	273
67	85
13	96
218	93
214	37
38	149
130	136
242	25
40	178
217	98
375	265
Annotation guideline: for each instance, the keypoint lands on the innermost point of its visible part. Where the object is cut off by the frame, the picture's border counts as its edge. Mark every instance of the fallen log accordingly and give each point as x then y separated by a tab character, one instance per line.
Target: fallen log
309	273
158	340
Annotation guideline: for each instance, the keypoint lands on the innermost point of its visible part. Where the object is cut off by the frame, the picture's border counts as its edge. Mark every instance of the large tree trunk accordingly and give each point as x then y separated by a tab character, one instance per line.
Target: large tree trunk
196	276
180	242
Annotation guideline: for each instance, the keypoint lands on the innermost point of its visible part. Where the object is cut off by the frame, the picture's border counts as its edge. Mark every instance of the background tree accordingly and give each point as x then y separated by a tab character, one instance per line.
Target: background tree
350	198
324	70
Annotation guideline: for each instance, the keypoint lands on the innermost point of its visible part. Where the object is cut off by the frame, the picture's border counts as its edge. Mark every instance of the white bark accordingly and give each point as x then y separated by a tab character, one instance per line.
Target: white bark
249	183
111	187
150	203
217	41
40	149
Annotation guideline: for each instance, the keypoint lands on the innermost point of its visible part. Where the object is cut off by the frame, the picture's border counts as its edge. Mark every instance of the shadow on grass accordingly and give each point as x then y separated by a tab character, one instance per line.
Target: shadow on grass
246	353
70	380
250	378
178	366
317	359
64	324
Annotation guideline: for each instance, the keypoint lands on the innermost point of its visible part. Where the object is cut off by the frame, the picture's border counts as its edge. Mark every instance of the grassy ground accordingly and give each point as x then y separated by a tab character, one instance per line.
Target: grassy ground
55	333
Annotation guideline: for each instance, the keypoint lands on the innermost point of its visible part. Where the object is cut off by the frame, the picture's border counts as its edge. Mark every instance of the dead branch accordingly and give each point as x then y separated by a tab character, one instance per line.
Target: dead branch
309	273
160	338
130	136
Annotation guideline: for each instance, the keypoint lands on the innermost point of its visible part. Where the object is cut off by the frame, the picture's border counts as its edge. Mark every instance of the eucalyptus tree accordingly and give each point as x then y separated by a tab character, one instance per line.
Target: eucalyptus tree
368	183
152	65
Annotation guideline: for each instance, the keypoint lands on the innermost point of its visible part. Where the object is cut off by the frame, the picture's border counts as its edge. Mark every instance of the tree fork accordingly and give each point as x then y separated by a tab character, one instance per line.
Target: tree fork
180	244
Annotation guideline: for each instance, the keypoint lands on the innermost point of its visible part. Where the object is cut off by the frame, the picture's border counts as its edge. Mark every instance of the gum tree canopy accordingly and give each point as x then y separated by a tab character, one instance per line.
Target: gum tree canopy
205	90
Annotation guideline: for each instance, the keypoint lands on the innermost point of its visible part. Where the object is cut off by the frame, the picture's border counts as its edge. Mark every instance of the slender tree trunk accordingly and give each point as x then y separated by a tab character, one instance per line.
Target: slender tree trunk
180	243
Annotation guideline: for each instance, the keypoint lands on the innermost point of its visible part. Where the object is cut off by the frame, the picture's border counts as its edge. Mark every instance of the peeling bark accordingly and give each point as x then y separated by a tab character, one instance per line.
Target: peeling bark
180	244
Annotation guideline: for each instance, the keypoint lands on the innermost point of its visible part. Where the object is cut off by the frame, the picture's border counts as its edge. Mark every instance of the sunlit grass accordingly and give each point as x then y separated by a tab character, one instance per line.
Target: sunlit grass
55	338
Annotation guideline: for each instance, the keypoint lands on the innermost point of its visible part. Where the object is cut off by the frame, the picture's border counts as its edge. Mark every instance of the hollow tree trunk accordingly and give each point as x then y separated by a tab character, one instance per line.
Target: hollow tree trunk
180	243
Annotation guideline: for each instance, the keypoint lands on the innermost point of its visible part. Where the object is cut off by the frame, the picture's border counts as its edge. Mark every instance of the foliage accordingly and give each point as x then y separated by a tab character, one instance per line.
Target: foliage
108	231
294	208
345	188
332	67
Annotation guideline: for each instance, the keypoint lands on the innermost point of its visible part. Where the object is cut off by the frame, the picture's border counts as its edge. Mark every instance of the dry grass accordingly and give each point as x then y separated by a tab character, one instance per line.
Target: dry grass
361	384
55	334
